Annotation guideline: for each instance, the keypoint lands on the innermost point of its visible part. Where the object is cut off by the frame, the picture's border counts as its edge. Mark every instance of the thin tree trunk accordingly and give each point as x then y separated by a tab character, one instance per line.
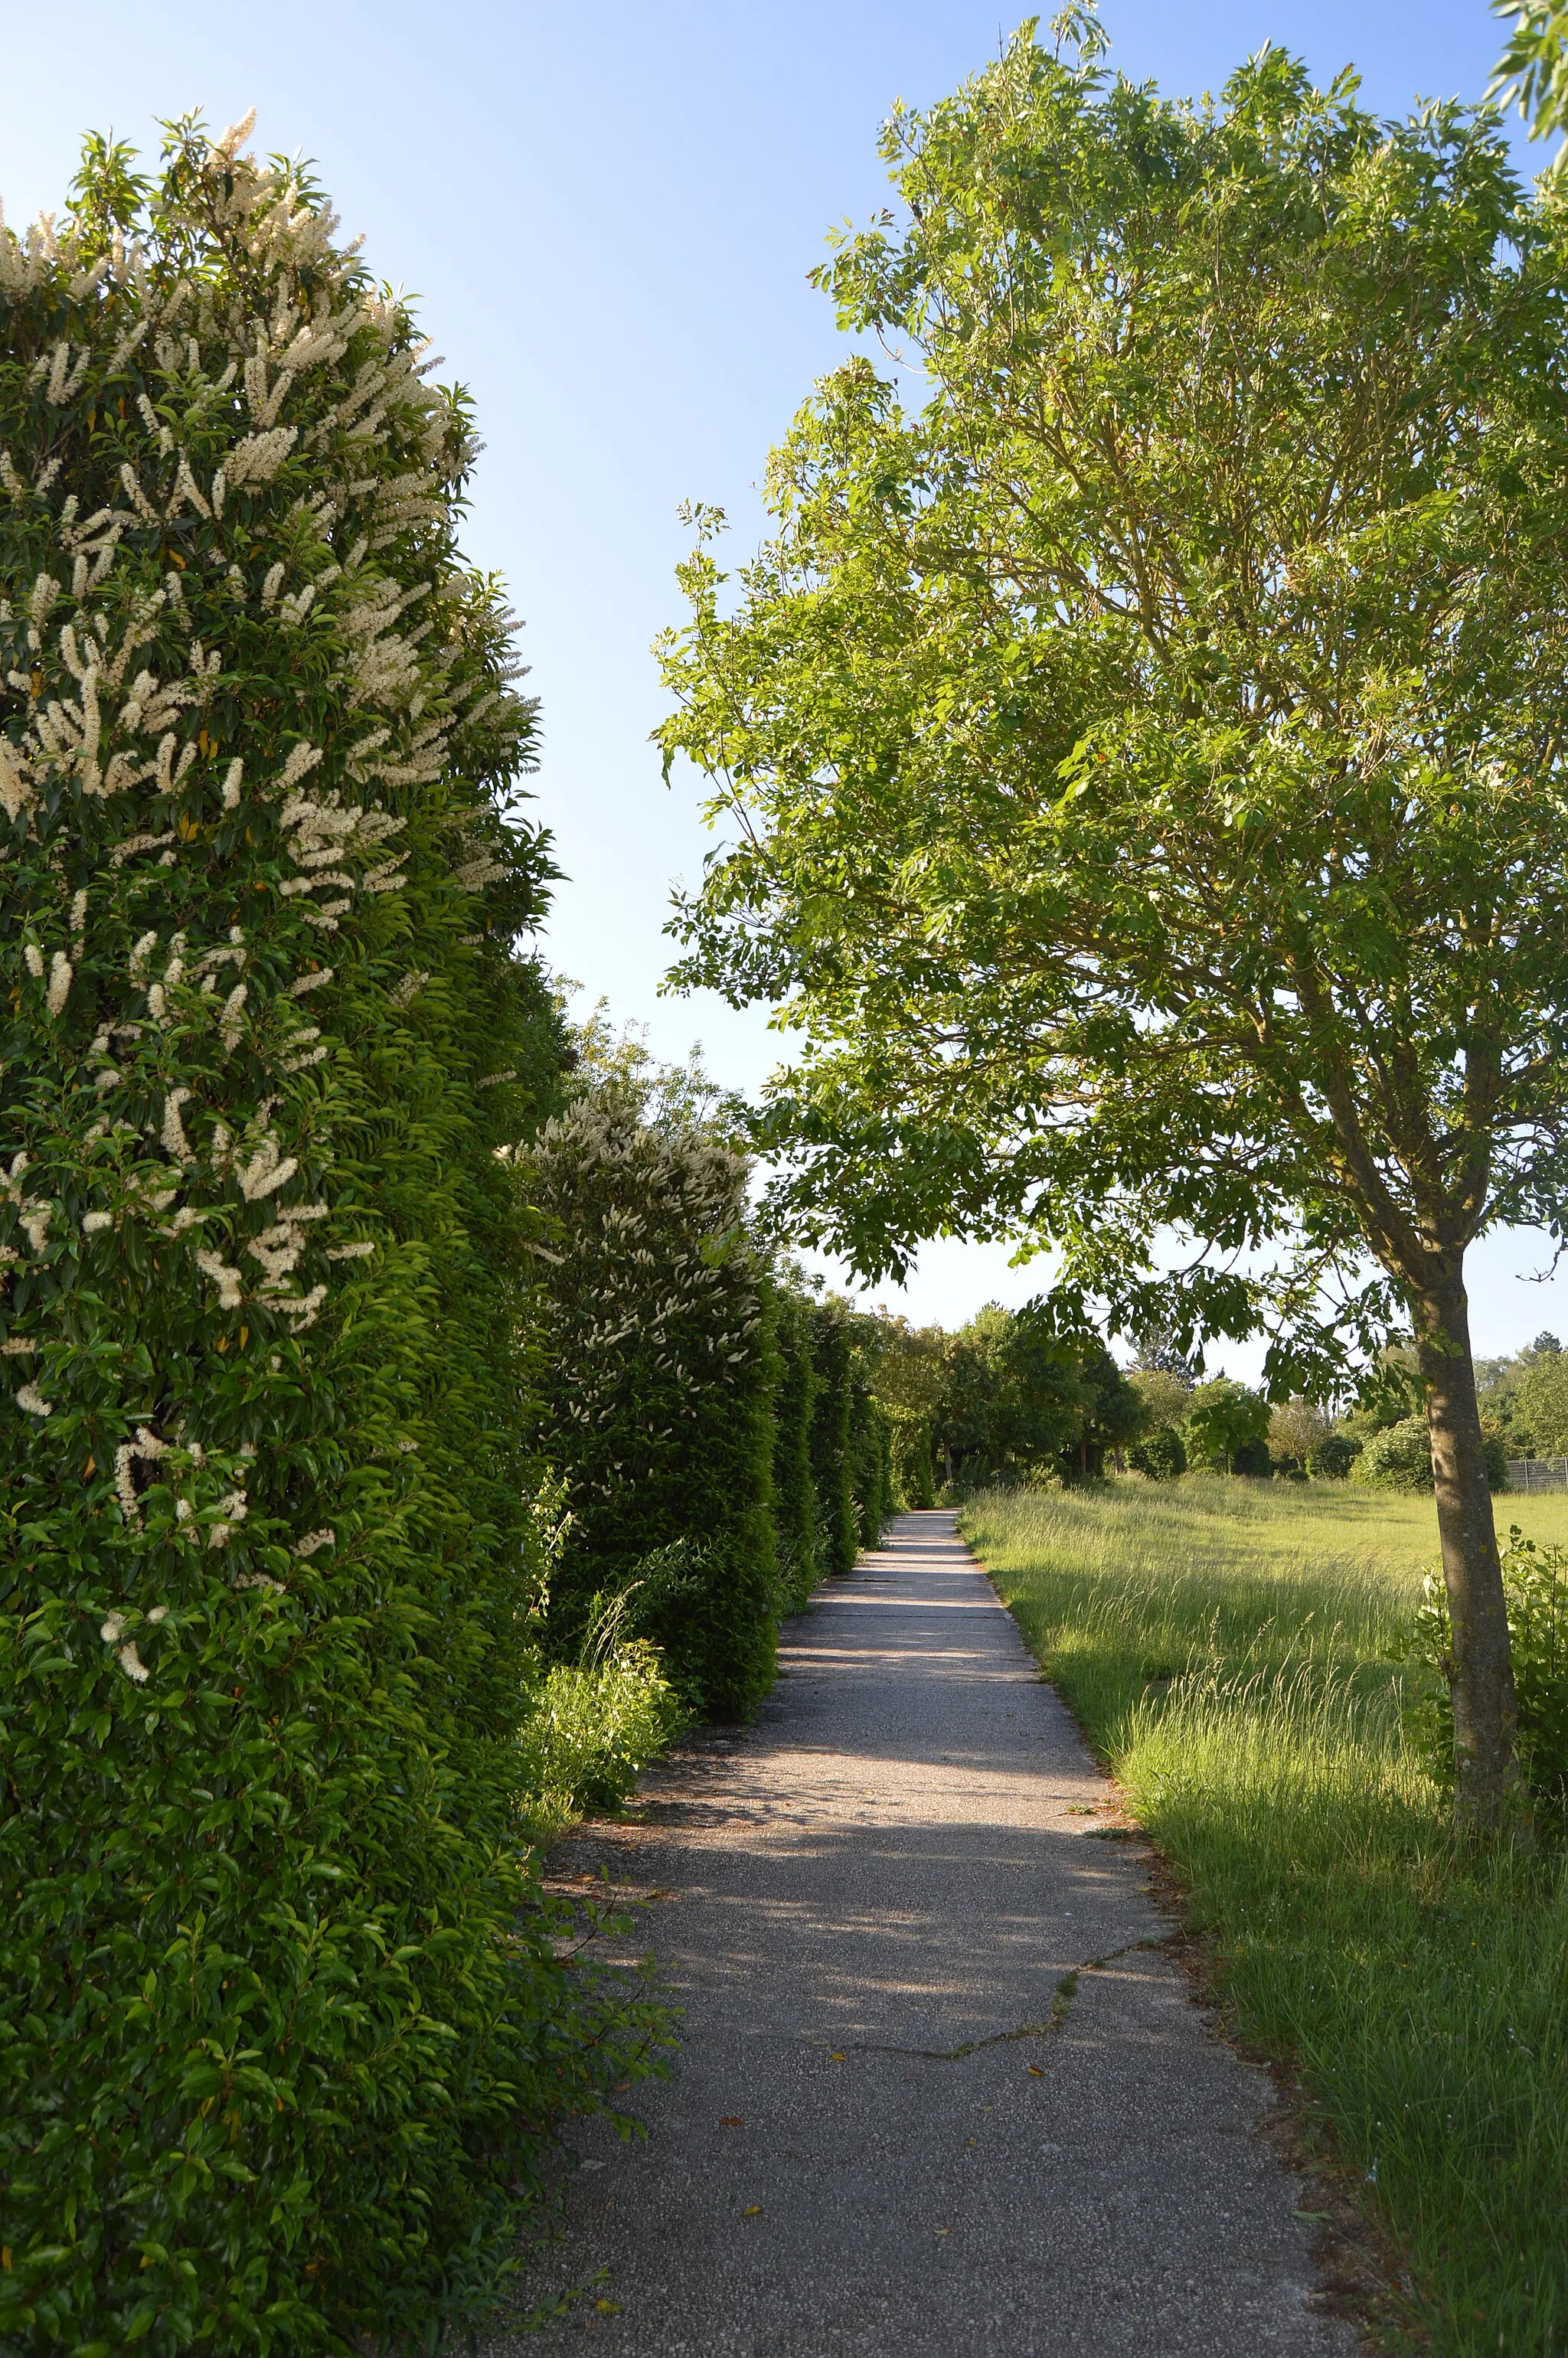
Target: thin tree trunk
1487	1796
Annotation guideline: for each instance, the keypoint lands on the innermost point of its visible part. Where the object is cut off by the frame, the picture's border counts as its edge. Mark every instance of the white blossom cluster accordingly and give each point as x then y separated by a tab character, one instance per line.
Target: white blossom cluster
108	714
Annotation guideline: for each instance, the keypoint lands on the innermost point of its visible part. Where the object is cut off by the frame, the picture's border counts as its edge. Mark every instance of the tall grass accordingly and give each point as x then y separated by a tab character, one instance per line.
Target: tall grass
1234	1650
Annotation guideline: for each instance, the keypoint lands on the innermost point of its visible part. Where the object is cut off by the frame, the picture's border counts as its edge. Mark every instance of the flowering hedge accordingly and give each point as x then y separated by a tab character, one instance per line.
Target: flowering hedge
281	2028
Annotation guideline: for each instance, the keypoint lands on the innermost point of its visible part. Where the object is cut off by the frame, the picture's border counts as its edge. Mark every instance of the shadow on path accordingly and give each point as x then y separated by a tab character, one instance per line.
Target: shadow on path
939	2092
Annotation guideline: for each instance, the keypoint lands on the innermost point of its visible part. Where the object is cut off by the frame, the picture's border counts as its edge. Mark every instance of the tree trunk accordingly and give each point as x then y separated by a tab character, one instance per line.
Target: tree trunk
1487	1794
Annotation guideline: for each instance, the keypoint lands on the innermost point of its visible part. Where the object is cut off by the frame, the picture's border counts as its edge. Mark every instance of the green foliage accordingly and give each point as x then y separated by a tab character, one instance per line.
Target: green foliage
1331	1459
910	1375
1295	1429
1533	68
283	2025
1535	1583
1047	776
1164	1394
832	1464
795	1491
1023	1396
1539	1402
592	1727
1112	1411
913	1459
653	1335
1135	754
1399	1456
1227	1425
1162	1455
869	1453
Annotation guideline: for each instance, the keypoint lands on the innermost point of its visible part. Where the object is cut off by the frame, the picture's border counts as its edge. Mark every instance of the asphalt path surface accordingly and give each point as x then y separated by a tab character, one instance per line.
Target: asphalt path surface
939	2091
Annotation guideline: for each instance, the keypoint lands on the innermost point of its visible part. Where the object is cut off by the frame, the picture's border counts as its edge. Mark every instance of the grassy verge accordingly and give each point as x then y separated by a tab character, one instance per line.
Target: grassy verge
1232	1649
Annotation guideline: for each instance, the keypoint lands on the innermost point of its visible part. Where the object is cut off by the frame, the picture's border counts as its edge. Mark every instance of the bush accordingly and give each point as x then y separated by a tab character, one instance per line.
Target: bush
795	1492
913	1459
591	1728
870	1461
1398	1458
1228	1427
832	1354
1160	1454
1535	1585
283	2029
657	1372
1252	1458
1331	1459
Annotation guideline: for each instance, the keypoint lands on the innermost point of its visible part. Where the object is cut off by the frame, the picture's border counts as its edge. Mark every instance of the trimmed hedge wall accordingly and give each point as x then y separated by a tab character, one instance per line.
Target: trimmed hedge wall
657	1375
913	1459
832	1436
795	1510
281	2029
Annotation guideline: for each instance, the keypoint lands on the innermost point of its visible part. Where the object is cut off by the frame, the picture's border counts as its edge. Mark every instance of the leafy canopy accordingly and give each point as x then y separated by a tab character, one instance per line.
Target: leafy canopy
1142	759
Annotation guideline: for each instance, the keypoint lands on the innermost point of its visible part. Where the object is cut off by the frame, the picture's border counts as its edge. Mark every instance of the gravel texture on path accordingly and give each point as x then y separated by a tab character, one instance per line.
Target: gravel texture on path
895	2125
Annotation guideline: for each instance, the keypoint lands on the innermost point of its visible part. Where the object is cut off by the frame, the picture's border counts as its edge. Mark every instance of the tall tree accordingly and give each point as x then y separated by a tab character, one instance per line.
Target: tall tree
1148	753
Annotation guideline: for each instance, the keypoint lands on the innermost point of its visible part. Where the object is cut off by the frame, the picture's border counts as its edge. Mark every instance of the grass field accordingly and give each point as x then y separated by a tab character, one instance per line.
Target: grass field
1233	1650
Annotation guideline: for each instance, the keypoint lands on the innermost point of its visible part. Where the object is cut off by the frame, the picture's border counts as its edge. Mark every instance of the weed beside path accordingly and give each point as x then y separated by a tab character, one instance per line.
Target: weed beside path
1234	1650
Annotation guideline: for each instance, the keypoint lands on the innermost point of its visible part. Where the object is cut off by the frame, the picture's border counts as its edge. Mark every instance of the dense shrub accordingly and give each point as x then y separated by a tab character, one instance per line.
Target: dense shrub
1399	1456
832	1473
1160	1455
657	1373
282	2026
1252	1458
913	1459
795	1492
592	1726
871	1457
1535	1585
1332	1457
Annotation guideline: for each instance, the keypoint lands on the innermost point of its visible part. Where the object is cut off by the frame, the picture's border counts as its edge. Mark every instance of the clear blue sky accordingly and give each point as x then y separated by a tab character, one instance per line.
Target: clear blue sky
608	214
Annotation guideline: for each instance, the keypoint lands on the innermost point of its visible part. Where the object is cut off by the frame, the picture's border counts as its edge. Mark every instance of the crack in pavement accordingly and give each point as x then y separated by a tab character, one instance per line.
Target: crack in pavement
1067	1990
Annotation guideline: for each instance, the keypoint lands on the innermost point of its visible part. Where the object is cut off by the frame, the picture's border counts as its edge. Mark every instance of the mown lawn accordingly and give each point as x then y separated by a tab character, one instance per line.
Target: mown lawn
1233	1650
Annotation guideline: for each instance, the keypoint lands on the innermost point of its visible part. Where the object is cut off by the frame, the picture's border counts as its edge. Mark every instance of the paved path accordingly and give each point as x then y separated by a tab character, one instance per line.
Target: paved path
875	1894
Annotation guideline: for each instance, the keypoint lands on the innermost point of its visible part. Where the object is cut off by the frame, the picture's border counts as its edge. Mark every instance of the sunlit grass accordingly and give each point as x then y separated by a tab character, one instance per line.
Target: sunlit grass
1234	1651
